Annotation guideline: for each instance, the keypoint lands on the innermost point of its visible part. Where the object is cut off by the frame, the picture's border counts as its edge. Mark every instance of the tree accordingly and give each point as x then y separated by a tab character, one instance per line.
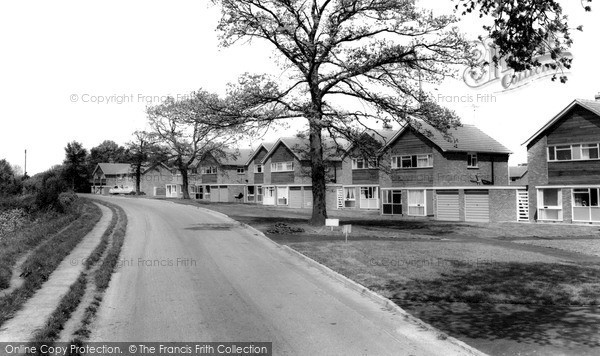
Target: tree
9	185
185	129
143	150
75	171
108	151
523	29
378	52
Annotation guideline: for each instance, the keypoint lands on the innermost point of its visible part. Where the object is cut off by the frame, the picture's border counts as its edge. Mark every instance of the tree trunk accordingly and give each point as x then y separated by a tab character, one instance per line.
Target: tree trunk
184	182
138	178
319	212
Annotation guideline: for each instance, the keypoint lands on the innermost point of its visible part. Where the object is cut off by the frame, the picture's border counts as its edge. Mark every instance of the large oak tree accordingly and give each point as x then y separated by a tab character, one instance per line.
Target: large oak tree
375	52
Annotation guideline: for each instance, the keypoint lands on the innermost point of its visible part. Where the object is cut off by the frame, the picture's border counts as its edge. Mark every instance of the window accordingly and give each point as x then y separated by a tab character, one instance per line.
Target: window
550	204
208	170
472	160
194	170
361	163
258	168
350	197
575	152
585	204
207	192
369	197
241	170
392	202
282	166
413	161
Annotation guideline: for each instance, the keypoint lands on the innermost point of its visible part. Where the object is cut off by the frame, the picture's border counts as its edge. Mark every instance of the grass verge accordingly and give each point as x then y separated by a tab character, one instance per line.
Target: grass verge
36	231
100	265
94	280
43	261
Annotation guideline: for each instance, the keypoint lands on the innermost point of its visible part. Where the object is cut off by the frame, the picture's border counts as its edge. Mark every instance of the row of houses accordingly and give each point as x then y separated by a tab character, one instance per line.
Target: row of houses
419	171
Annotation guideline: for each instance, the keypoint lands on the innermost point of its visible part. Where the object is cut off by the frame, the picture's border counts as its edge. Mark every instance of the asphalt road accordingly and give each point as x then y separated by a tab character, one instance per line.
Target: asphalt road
190	275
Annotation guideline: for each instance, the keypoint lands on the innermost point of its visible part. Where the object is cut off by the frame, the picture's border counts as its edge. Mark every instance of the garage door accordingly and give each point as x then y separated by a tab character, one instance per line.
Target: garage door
223	194
447	205
296	197
477	206
214	193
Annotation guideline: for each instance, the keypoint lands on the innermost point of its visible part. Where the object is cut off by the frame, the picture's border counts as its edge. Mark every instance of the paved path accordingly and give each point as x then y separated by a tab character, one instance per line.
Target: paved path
38	308
191	275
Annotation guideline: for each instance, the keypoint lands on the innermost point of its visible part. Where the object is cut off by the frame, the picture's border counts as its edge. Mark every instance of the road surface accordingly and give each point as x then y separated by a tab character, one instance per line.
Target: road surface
187	274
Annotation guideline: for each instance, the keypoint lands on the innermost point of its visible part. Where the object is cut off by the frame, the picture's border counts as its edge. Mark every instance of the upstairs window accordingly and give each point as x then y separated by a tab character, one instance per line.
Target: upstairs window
412	161
208	170
241	170
575	152
361	163
258	168
472	160
282	166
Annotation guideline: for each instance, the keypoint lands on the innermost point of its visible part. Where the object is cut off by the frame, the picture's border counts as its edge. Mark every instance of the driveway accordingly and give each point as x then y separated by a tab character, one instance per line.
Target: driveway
187	274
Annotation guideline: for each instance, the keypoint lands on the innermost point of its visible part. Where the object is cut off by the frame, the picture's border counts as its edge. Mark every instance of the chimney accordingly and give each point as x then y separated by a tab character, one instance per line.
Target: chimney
597	97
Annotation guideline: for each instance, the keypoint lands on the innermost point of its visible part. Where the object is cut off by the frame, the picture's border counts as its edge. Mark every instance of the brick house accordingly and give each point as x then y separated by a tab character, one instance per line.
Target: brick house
221	178
361	176
458	176
564	166
256	173
110	175
287	173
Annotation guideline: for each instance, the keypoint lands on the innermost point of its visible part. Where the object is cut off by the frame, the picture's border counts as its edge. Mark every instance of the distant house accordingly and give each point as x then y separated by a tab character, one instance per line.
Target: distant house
256	173
287	173
222	178
110	175
518	174
564	165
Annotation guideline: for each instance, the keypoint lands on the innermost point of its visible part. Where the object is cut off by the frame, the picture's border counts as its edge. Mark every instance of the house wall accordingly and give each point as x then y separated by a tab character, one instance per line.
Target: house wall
537	171
158	177
503	205
449	168
283	154
579	126
256	178
229	175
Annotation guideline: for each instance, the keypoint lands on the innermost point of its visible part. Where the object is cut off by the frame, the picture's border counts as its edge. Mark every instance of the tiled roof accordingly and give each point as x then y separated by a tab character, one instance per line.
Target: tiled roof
300	147
266	145
591	105
236	157
465	138
115	168
517	171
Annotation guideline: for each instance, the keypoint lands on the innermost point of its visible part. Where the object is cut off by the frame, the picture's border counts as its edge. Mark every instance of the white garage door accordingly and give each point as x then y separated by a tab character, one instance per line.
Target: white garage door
477	206
295	197
223	194
447	205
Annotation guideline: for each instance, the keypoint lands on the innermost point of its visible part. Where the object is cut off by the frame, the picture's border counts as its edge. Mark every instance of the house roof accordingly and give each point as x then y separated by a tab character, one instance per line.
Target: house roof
300	147
465	138
114	168
591	105
267	146
146	169
517	171
235	157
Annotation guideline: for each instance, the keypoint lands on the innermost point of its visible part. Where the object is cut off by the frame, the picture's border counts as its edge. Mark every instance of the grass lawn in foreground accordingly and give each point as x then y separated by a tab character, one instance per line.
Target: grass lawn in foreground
498	287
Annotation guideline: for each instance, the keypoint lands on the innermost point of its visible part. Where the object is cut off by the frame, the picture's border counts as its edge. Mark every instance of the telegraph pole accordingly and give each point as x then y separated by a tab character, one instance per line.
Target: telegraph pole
25	169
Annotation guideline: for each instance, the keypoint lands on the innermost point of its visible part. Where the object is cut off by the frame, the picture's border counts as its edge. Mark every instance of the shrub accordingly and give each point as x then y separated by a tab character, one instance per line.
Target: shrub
66	200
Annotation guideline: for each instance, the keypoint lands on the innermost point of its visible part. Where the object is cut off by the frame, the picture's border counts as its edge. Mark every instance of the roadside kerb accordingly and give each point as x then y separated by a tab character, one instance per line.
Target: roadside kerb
353	285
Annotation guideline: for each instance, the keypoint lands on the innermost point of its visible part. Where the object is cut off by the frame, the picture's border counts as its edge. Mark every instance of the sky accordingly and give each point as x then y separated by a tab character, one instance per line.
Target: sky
86	70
